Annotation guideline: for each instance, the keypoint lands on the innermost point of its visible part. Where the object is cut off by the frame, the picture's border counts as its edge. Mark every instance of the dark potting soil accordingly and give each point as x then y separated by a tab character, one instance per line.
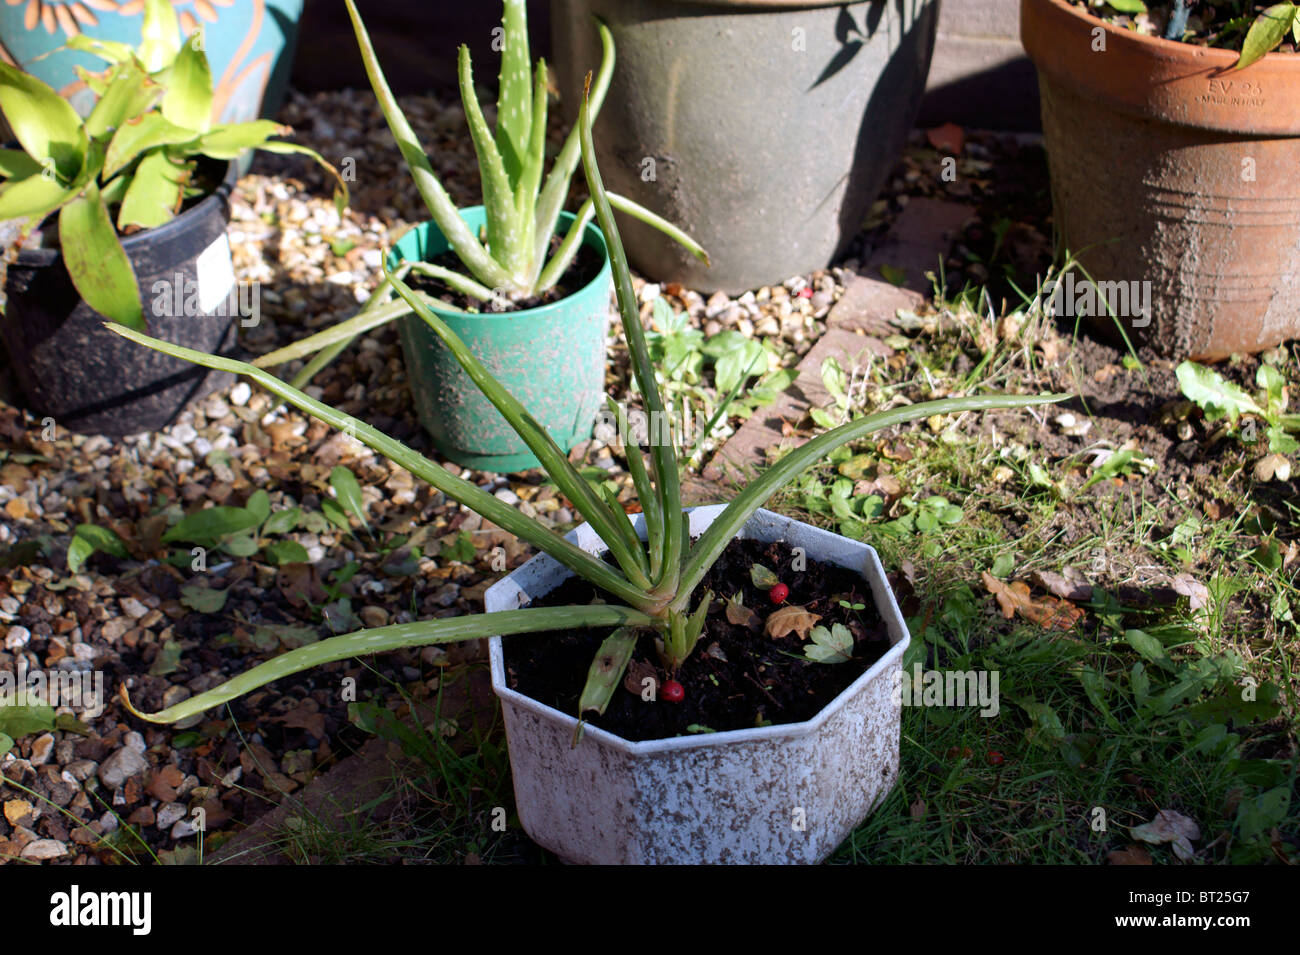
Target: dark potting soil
737	678
584	267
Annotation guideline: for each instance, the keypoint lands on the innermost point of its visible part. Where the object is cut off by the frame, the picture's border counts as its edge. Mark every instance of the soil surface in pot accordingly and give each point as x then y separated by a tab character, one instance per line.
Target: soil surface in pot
1202	22
584	267
737	678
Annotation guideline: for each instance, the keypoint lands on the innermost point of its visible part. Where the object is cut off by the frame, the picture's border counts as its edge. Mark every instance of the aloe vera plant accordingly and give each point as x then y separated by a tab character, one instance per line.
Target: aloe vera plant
653	584
131	163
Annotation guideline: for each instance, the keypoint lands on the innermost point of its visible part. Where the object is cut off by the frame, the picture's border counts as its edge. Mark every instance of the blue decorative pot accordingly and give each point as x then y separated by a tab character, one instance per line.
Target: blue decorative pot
250	45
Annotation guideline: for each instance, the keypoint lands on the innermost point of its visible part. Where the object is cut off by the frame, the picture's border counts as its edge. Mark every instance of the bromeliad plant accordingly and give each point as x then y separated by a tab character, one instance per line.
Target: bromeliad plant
131	163
653	584
522	211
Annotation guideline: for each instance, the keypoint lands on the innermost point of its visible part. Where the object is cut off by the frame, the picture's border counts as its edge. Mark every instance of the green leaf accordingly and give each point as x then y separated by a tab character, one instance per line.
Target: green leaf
90	538
34	197
203	599
241	545
209	526
96	261
1279	442
187	97
16	164
168	659
155	193
160	35
1274	385
139	135
1148	647
335	514
504	238
286	552
42	121
230	140
461	550
20	721
1127	6
111	50
282	522
129	93
830	646
348	492
762	577
893	275
6	743
1268	30
259	505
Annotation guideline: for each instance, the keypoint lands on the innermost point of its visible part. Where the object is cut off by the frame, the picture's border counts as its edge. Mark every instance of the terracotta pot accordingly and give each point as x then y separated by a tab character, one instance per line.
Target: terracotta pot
1168	167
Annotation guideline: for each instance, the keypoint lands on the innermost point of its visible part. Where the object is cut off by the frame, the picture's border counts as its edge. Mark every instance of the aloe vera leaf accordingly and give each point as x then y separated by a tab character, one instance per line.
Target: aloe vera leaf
667	479
515	97
459	236
607	669
456	488
556	188
383	639
572	484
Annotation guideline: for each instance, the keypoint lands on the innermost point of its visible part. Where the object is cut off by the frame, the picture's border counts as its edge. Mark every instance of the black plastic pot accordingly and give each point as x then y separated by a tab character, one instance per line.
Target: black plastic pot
90	380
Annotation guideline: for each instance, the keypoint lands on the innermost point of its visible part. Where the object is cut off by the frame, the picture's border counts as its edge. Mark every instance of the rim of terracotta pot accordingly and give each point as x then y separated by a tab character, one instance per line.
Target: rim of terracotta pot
1161	79
892	657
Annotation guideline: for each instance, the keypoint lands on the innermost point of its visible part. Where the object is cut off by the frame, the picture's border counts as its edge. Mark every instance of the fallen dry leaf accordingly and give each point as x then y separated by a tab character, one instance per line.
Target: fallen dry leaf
1129	855
638	671
1049	613
1273	467
1069	584
917	809
163	784
789	620
1171	827
947	138
1198	596
741	616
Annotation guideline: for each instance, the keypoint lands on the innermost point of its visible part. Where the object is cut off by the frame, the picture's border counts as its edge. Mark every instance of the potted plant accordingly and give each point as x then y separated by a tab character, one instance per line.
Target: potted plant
1172	142
250	45
763	129
124	207
651	587
534	305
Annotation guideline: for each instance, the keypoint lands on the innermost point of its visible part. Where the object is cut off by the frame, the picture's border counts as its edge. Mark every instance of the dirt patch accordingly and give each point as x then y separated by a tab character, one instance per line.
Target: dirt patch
737	678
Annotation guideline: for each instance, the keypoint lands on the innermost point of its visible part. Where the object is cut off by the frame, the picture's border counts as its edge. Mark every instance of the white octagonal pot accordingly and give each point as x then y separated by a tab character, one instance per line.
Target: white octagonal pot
777	794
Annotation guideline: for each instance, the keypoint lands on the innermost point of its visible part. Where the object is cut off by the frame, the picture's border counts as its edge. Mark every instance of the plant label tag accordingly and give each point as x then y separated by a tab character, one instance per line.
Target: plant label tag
216	272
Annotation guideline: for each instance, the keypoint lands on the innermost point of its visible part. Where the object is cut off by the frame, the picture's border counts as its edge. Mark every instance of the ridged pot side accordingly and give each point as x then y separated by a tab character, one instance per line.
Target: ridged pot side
780	794
1170	168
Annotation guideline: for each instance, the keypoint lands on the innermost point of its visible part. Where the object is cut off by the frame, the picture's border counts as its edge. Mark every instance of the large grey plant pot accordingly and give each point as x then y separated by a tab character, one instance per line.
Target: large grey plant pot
732	797
767	154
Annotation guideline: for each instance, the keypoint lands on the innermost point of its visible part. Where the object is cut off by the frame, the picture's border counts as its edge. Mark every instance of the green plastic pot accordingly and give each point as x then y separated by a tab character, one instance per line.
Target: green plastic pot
551	358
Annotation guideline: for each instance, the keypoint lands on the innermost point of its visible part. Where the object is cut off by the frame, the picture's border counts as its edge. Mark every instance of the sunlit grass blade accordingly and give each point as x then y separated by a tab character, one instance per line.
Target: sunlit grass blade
712	542
455	487
668	484
398	636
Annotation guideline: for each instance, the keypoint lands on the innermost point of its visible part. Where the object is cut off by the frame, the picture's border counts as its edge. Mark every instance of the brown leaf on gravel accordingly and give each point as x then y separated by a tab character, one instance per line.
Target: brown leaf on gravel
790	620
163	783
1129	855
1069	584
741	616
300	584
305	717
1049	613
949	138
638	671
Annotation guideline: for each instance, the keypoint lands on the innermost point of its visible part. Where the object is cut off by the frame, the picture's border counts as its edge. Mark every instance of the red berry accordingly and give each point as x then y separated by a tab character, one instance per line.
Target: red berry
672	691
778	593
995	758
805	292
